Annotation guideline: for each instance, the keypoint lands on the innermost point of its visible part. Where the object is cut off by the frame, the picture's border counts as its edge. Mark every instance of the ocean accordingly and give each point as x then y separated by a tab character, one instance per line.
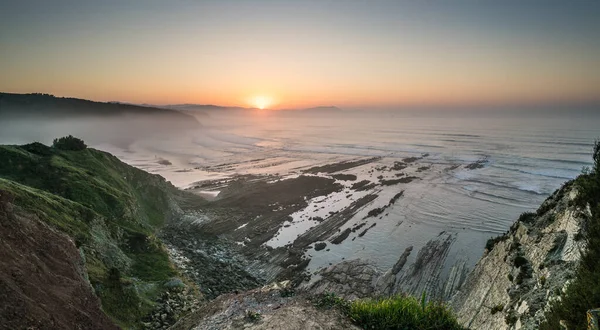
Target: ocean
517	160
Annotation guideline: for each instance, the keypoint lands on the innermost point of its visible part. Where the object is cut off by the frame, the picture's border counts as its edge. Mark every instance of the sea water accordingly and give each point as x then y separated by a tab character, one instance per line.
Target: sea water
526	156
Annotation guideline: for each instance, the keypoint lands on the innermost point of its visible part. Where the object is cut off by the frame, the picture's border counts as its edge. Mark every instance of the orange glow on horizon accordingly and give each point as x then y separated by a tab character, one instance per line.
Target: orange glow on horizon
261	102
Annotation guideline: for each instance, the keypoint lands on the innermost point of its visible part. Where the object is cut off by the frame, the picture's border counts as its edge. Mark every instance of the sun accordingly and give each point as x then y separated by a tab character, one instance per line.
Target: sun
262	102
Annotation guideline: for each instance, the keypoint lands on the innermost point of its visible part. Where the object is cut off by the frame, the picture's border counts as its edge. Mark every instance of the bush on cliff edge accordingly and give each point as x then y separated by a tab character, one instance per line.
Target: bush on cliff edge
69	143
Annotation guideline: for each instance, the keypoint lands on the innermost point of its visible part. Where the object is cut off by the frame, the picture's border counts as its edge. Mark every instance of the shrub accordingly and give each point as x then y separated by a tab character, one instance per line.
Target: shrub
287	292
511	318
511	277
520	261
491	242
543	280
38	149
497	308
69	143
253	316
330	300
527	217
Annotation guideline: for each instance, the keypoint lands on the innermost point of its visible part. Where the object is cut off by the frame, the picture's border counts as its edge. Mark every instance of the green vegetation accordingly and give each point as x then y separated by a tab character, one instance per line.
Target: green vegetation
253	316
69	143
496	309
584	292
511	318
110	209
520	261
527	217
396	312
491	242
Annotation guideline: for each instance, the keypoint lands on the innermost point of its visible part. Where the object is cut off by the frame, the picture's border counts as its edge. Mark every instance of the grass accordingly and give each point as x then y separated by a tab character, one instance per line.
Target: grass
396	312
110	209
584	292
253	316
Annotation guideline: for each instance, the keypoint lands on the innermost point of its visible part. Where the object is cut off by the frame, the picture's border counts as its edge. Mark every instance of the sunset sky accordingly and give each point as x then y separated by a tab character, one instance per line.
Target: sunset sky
304	53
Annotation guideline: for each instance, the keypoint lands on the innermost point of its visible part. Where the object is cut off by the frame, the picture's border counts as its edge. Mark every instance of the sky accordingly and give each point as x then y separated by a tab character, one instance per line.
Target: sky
284	54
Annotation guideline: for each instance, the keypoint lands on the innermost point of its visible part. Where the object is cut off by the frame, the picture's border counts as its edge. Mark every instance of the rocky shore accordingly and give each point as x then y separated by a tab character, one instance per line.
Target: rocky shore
251	213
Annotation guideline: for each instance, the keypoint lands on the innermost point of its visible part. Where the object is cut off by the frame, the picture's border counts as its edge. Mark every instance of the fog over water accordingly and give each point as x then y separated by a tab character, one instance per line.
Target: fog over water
524	159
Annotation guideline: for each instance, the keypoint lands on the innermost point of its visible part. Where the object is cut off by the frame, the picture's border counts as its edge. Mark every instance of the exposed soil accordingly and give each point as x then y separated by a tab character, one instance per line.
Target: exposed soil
42	284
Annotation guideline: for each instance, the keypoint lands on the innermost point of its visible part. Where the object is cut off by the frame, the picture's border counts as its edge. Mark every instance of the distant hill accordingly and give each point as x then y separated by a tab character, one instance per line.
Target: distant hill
320	109
49	106
39	117
212	107
199	107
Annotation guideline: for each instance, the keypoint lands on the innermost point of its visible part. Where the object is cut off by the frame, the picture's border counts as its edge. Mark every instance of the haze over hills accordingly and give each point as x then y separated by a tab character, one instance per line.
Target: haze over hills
212	107
50	106
198	107
41	117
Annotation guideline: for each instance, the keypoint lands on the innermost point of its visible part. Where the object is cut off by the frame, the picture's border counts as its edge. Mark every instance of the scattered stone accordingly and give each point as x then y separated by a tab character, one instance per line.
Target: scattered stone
363	185
365	231
396	181
480	163
341	237
411	159
398	166
320	246
344	177
341	166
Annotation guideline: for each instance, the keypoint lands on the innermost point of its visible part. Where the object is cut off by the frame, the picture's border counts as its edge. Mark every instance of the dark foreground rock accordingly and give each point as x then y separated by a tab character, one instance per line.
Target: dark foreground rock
43	285
360	278
272	307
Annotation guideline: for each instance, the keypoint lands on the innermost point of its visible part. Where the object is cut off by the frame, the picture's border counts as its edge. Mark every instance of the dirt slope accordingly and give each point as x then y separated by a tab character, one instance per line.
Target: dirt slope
42	285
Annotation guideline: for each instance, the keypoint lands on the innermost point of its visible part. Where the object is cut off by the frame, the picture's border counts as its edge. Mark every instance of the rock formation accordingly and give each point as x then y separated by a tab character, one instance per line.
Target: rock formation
517	279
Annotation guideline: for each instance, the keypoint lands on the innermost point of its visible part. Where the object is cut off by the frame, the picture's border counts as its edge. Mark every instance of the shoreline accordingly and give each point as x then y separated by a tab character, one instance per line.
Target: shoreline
319	214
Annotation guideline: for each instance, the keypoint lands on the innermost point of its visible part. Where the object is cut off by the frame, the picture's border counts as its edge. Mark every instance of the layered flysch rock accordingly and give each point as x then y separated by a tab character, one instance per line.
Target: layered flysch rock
359	278
527	269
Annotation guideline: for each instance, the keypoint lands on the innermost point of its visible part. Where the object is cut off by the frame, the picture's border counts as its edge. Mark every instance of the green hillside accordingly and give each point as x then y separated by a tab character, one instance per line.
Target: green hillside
111	211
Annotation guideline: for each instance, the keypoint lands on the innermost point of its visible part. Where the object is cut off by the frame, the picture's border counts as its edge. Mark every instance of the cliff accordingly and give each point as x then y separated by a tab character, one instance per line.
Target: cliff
527	270
87	241
80	225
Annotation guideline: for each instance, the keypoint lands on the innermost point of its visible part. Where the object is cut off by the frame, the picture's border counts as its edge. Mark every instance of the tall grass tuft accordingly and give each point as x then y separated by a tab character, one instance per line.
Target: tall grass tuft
402	312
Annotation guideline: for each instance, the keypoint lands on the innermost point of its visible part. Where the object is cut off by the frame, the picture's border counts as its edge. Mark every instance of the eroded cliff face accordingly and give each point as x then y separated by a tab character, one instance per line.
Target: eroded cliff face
527	269
42	276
